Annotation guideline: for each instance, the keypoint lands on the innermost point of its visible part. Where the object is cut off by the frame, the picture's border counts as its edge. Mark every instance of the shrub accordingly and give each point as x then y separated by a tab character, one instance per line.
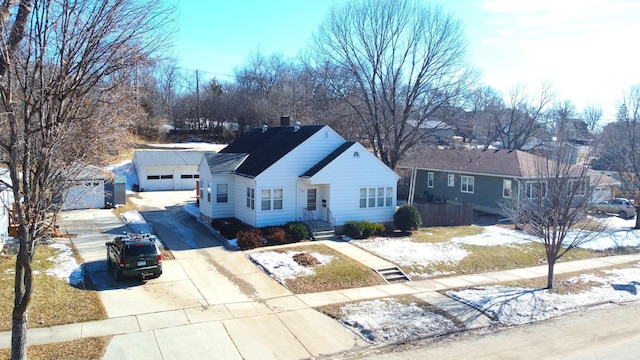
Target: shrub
297	230
250	239
228	227
353	229
407	217
369	229
275	235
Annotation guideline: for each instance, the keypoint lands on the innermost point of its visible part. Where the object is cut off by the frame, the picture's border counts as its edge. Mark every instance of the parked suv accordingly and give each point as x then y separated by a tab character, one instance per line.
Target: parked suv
623	207
134	255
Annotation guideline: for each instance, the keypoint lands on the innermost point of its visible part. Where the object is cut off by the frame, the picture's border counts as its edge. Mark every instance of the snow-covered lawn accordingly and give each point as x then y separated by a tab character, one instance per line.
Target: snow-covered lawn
389	320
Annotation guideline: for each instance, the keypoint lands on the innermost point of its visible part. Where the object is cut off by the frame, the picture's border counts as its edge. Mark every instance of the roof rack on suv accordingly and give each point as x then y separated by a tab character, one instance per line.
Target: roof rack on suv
140	236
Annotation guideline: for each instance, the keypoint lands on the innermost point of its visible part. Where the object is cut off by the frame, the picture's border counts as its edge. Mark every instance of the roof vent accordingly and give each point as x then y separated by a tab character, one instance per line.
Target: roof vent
296	126
264	127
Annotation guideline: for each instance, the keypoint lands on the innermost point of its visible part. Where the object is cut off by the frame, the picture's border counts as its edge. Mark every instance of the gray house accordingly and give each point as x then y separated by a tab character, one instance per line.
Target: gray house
482	177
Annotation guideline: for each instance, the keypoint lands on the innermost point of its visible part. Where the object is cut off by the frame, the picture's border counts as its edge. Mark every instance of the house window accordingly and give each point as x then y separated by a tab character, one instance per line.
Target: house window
185	176
376	197
222	193
209	192
277	199
265	199
363	198
372	197
153	177
451	180
506	188
271	199
467	184
251	198
535	190
579	187
430	179
201	194
380	202
166	177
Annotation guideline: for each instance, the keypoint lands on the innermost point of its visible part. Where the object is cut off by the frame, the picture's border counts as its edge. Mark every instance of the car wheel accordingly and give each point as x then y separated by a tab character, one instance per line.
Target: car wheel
623	214
117	274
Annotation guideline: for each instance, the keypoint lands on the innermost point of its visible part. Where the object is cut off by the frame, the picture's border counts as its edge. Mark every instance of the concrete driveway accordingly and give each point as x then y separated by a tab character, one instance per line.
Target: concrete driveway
209	302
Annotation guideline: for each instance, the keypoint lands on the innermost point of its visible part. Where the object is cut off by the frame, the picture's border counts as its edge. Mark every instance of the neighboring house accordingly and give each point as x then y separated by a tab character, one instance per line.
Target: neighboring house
6	204
86	190
483	177
270	176
159	170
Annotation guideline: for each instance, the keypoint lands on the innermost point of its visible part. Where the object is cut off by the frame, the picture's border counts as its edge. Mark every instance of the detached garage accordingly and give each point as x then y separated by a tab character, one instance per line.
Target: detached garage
161	170
86	190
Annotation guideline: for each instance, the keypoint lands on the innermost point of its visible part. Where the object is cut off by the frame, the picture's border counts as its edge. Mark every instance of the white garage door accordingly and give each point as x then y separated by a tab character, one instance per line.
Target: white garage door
187	182
85	195
158	182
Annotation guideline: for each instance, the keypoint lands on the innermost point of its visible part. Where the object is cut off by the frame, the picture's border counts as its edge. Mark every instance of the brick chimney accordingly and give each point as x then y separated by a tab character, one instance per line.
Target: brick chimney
285	121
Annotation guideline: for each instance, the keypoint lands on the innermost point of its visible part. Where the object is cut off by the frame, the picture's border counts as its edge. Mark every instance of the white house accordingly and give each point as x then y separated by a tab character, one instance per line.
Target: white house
271	176
159	170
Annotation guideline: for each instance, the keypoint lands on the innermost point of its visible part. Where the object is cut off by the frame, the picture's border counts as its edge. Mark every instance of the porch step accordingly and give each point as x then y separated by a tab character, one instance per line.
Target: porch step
391	274
324	235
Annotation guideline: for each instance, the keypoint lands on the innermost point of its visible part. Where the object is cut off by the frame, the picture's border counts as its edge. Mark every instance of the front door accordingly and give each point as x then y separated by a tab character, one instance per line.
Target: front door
312	199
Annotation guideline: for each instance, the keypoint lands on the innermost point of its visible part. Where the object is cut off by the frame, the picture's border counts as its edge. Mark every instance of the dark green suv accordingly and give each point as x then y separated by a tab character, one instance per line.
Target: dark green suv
134	255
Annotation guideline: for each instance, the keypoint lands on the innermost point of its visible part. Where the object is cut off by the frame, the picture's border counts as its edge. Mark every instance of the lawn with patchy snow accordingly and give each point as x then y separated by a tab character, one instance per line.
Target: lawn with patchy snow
391	321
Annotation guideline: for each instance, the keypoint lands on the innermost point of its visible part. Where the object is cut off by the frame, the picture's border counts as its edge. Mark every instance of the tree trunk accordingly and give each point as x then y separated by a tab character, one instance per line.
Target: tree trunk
550	265
19	337
637	217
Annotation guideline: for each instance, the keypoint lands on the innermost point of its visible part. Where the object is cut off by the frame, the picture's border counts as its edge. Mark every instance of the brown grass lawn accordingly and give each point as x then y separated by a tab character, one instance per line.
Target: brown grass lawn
53	302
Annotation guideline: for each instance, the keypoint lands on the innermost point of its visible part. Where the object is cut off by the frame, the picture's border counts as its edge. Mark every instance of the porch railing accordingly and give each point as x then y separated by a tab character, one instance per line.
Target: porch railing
310	218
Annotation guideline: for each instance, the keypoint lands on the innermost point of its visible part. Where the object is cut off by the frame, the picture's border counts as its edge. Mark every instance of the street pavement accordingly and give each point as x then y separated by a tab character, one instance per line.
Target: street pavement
213	303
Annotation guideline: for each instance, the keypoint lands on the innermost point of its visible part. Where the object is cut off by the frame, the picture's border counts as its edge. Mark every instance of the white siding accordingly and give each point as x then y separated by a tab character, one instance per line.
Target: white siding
240	209
285	173
205	176
221	210
346	175
86	194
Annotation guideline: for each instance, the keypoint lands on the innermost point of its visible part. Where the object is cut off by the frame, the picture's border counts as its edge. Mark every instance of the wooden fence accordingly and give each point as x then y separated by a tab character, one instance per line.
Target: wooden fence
445	214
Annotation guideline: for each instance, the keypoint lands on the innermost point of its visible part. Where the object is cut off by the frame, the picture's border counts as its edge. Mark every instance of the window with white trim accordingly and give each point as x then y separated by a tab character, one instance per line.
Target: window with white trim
271	199
451	180
536	190
251	198
467	184
579	187
430	178
506	188
222	193
376	197
209	192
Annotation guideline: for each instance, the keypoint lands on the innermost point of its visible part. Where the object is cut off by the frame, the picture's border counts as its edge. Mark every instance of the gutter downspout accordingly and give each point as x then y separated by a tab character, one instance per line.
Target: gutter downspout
412	185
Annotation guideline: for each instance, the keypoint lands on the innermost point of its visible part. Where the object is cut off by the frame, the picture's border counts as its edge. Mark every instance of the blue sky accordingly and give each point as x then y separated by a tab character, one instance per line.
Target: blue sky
588	49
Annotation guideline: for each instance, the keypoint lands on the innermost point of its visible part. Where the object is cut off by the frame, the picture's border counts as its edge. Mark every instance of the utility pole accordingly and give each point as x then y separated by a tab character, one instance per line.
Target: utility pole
198	98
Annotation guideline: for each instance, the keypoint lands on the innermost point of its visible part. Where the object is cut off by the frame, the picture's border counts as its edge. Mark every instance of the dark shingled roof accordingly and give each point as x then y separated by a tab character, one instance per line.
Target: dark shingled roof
324	162
514	163
224	163
264	148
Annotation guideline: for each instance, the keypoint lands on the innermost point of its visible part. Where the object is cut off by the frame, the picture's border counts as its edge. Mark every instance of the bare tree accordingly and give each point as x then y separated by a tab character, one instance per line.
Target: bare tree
392	62
554	206
620	146
591	115
522	119
60	63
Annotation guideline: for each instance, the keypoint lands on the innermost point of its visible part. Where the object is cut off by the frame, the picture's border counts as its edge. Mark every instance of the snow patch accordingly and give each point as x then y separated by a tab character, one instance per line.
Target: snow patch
281	266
